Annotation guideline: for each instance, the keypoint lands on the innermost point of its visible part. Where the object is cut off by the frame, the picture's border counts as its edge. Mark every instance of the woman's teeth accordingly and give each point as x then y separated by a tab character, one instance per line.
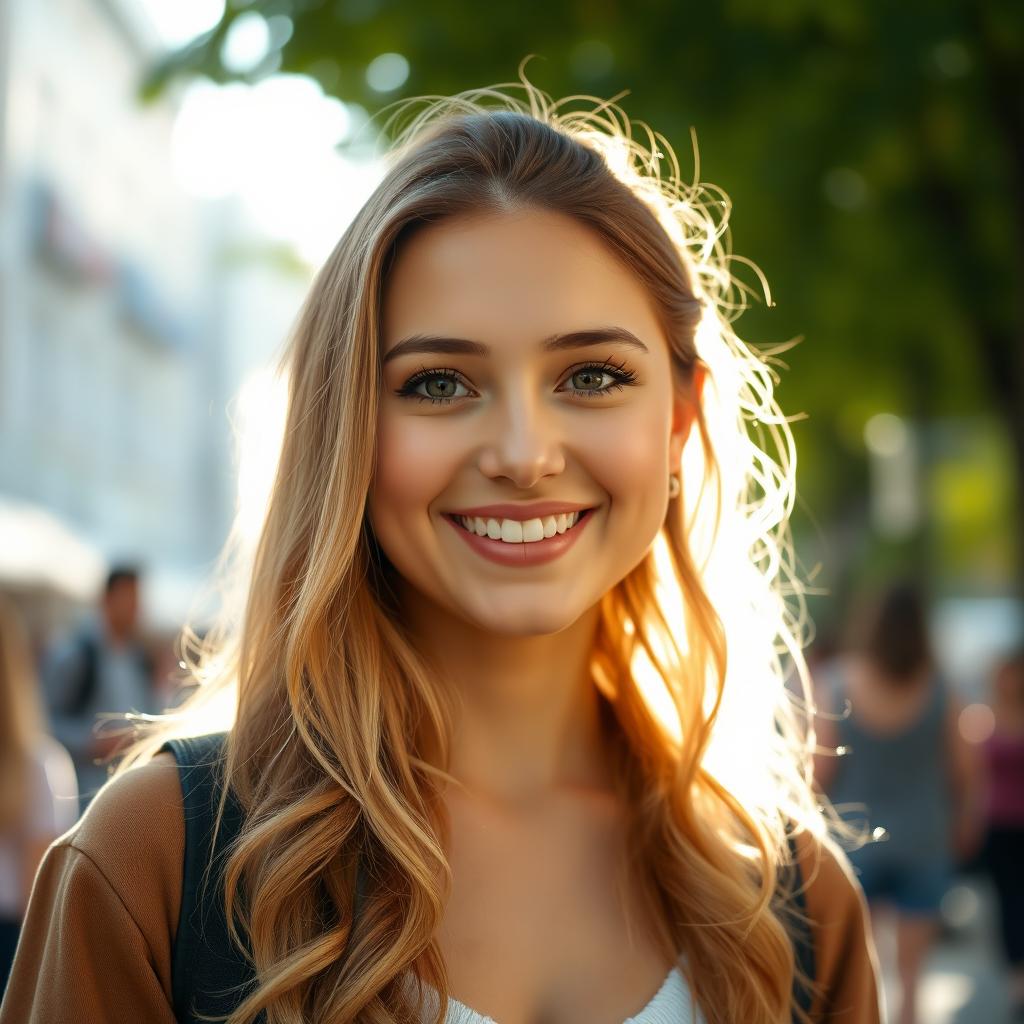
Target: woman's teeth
519	531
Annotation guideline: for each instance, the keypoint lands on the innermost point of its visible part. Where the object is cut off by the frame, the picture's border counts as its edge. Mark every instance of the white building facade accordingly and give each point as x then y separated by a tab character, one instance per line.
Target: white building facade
112	385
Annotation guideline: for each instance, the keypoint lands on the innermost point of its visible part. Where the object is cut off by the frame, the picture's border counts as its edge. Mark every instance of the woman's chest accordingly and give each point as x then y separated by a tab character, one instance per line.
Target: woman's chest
543	926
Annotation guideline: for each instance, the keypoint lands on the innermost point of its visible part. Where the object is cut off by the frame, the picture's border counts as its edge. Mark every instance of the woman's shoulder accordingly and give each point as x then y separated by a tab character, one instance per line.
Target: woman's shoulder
134	833
846	963
828	876
144	801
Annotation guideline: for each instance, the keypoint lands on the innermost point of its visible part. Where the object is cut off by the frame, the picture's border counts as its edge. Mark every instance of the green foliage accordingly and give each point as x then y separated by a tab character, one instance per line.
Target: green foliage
874	153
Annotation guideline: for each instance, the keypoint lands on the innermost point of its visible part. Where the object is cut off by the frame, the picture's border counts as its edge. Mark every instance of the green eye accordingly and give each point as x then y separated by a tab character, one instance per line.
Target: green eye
451	377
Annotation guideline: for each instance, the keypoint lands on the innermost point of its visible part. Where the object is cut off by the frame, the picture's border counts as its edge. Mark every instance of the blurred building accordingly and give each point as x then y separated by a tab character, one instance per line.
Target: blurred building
112	373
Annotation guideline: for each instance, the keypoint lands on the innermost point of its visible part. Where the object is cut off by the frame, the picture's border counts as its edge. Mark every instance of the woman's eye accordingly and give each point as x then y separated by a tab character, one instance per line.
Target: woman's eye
439	386
586	381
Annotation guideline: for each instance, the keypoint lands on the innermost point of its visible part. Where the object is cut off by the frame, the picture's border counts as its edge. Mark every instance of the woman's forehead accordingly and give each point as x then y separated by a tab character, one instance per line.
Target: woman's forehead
529	273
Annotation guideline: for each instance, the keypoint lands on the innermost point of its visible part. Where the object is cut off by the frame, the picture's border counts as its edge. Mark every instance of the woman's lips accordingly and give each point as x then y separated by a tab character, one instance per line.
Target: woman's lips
526	553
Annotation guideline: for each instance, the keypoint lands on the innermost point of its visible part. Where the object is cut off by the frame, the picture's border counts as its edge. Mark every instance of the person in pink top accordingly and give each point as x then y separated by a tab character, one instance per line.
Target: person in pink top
38	787
1004	848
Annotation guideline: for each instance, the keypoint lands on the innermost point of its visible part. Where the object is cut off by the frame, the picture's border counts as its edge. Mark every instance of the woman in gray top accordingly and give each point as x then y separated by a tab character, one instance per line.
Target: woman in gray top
904	769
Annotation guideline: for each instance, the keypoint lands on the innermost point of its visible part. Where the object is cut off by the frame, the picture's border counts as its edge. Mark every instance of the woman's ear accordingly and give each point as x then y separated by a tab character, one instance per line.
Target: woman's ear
684	411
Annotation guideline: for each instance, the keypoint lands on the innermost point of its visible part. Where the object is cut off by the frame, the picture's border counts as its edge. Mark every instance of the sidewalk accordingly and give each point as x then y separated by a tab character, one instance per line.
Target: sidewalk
963	981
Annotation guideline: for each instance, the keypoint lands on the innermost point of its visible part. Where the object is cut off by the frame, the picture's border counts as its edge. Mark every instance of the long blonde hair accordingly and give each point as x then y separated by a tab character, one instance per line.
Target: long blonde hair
338	729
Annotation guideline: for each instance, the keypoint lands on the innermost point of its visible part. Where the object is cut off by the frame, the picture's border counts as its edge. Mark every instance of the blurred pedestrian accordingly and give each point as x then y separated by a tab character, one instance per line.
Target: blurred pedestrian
1004	840
102	666
906	769
38	791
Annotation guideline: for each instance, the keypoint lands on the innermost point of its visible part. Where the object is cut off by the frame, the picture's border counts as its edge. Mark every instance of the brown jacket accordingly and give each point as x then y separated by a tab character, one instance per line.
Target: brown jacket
97	939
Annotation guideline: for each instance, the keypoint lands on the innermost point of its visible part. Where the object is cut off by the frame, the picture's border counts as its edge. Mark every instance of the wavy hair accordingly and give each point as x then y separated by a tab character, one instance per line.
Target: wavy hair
338	729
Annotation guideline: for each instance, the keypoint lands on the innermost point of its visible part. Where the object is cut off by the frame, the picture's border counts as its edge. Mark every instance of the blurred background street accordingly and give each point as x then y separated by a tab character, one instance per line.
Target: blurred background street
962	982
173	173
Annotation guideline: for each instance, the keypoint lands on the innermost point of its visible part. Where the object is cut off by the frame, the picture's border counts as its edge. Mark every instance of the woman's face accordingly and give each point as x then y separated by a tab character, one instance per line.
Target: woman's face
516	411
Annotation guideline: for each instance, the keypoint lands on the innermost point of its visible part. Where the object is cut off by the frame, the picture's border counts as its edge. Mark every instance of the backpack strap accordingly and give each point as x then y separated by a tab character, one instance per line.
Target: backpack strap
803	941
209	973
206	965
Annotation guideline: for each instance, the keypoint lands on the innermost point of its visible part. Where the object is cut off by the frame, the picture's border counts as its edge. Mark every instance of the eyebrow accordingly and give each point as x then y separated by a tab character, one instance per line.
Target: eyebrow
421	343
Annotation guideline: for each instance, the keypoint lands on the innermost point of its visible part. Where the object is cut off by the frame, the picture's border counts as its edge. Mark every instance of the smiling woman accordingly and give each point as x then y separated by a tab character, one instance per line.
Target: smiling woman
512	728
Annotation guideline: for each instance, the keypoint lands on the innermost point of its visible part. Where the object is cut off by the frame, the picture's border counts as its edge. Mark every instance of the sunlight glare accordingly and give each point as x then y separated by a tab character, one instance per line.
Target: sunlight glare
247	42
273	144
179	21
261	407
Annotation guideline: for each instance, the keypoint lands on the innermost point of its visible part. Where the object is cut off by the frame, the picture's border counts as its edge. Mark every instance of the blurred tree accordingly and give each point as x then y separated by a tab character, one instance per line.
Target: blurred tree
874	153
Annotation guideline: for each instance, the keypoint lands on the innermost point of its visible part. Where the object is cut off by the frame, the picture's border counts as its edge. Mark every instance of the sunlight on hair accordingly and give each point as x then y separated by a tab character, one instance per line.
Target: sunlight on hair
648	679
218	713
261	404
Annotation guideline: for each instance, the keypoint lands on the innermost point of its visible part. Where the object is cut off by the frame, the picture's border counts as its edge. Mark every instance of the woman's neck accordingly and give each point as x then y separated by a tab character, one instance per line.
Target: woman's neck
528	718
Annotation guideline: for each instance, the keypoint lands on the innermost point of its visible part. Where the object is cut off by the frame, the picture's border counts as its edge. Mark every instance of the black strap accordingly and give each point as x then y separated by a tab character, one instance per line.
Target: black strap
206	965
209	974
803	941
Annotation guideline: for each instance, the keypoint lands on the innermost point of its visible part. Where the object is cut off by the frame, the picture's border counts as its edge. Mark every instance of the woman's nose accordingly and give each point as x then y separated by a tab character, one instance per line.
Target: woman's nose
523	442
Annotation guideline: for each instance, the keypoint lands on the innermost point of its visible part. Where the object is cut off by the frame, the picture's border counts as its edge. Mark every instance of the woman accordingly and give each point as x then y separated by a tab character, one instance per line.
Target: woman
38	790
496	658
906	770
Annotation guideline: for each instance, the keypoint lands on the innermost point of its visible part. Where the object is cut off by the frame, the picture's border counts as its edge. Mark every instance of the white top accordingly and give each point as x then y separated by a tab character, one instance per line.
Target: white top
673	1003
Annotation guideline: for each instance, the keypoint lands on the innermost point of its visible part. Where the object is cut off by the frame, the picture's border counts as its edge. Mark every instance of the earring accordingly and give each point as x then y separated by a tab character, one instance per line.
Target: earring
674	486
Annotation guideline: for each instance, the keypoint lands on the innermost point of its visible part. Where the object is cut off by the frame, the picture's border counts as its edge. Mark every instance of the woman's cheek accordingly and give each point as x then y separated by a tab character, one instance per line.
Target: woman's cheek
414	465
631	458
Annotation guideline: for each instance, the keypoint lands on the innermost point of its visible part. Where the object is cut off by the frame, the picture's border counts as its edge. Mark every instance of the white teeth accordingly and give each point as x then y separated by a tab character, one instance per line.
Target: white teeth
515	531
533	529
511	531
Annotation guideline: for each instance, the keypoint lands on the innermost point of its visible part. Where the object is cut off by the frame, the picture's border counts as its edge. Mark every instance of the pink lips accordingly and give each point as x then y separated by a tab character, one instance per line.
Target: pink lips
518	555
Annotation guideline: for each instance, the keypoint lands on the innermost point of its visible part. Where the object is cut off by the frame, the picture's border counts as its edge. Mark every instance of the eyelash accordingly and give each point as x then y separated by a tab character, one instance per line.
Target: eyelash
624	377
